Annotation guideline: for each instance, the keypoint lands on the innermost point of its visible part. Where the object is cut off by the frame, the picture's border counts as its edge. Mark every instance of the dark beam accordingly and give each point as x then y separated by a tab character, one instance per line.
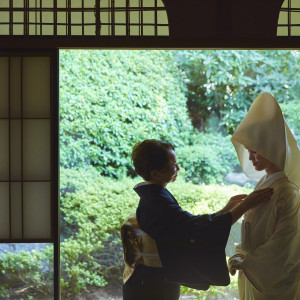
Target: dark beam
40	43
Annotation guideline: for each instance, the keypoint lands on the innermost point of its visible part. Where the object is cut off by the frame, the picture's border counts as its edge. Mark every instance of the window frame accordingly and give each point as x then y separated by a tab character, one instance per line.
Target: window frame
54	153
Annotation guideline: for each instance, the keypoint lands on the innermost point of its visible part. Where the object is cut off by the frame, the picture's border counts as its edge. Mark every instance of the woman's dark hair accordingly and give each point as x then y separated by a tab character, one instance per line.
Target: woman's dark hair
150	155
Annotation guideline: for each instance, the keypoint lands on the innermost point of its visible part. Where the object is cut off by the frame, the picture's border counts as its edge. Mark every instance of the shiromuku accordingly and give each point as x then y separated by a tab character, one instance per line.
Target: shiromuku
268	258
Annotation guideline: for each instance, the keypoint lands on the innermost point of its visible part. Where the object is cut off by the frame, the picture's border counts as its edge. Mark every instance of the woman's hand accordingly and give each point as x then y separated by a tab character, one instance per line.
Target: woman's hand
251	201
233	202
235	263
258	197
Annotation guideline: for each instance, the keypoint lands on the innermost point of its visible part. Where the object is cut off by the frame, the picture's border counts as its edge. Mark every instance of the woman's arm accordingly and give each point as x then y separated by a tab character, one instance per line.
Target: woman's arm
239	204
233	202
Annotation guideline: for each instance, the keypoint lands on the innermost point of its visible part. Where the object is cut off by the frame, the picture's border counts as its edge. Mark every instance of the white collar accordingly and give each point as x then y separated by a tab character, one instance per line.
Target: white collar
269	180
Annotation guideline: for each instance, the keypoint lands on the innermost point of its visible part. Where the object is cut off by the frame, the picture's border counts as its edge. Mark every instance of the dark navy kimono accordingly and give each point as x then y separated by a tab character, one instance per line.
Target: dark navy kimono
191	248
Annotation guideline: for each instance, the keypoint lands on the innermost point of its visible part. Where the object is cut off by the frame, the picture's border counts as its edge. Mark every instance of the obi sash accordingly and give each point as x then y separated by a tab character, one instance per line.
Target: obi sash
138	247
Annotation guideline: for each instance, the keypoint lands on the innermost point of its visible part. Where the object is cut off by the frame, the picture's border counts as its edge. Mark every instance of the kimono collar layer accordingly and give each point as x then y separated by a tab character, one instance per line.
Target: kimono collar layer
148	190
265	131
268	181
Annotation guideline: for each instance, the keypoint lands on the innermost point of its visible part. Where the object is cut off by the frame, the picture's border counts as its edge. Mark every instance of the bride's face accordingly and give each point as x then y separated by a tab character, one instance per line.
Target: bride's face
259	162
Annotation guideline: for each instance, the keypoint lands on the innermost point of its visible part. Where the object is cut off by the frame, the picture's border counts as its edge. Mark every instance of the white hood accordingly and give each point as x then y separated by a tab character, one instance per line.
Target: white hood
265	131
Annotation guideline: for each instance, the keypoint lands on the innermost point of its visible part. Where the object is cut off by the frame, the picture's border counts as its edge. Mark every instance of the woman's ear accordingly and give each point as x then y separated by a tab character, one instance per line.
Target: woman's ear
153	175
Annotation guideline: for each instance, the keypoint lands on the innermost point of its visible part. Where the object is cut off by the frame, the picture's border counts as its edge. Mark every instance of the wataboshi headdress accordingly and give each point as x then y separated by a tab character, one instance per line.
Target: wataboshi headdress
265	131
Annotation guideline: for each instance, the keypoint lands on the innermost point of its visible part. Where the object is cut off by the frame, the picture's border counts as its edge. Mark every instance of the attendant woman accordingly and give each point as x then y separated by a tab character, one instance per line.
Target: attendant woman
269	254
165	246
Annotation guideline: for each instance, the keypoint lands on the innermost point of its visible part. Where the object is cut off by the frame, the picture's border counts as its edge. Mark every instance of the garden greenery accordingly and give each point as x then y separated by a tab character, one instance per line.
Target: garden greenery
109	100
209	159
224	83
291	111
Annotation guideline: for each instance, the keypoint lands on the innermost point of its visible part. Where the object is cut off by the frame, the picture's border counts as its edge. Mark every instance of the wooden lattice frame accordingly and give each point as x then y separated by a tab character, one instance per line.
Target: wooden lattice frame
105	18
289	19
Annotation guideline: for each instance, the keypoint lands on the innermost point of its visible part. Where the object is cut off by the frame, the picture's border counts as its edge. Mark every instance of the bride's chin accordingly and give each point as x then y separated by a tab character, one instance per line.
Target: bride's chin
257	168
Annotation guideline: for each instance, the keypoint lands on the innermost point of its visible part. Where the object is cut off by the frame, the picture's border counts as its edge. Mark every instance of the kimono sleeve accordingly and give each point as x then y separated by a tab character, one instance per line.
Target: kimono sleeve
194	252
277	260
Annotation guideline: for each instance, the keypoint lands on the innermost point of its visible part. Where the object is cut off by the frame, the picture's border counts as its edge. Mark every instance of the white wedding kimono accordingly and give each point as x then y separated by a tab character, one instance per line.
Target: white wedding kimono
269	253
270	244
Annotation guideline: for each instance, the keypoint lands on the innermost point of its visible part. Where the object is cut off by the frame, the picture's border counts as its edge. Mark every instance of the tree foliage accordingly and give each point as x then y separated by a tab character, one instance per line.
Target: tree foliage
109	100
225	82
291	111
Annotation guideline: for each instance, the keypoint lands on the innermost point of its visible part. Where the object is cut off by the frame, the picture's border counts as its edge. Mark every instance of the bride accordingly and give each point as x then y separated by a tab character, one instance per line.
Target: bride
268	258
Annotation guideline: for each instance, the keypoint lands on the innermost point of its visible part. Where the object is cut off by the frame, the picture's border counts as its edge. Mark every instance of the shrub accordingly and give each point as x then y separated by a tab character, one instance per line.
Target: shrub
93	208
203	199
29	273
109	100
209	159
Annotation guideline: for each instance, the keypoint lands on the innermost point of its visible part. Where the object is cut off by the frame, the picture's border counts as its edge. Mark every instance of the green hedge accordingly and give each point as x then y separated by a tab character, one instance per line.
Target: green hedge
26	274
209	159
93	208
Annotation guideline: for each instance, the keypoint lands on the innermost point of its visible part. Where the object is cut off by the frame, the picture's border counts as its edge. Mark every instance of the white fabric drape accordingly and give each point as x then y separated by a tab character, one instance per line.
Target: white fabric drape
270	243
265	131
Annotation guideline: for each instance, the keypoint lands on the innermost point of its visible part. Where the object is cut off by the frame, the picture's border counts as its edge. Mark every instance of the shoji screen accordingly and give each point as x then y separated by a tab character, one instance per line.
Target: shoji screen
27	186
